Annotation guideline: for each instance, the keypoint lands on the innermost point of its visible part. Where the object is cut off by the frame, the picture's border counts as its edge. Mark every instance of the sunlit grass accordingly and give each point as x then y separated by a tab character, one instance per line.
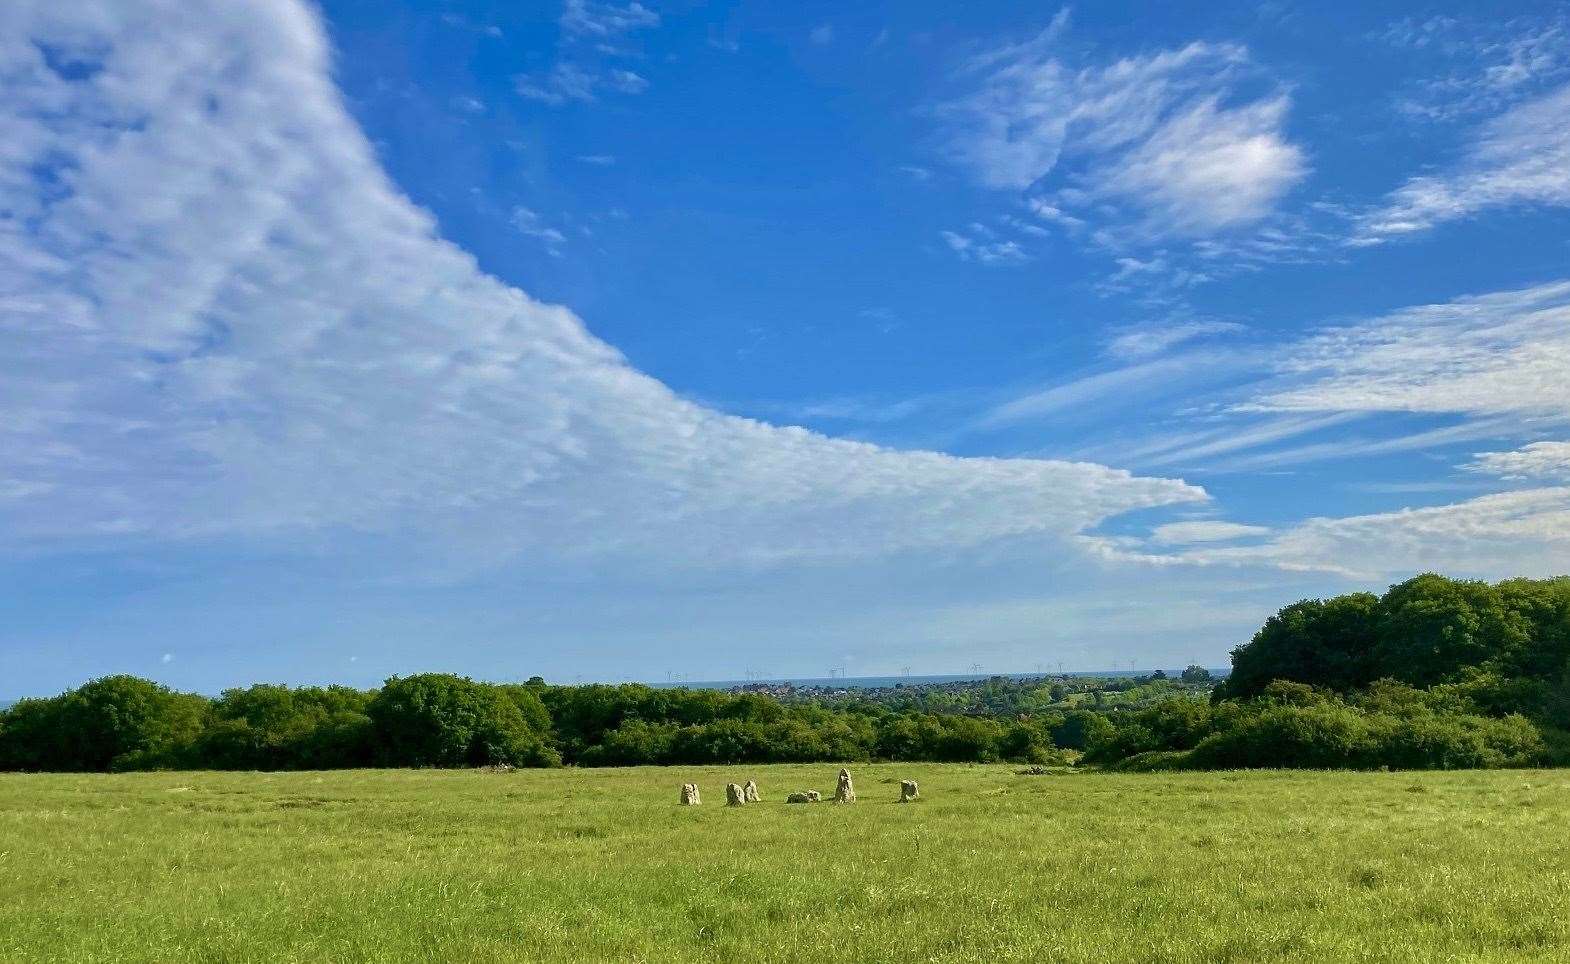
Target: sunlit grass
603	865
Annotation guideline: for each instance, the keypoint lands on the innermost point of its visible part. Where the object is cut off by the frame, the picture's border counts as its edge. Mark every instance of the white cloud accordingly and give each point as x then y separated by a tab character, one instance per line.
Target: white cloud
1489	63
581	78
1498	361
1486	367
1495	354
222	320
1418	34
1189	533
626	81
1493	537
1053	214
1174	138
861	409
568	82
1492	363
529	223
603	20
1203	448
1209	167
1157	271
1346	446
729	44
1147	340
1480	368
982	246
565	82
1520	158
1144	380
1544	52
1539	460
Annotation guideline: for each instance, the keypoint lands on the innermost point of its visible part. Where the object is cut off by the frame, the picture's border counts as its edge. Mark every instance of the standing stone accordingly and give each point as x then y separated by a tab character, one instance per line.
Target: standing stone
733	795
689	795
908	791
749	792
845	792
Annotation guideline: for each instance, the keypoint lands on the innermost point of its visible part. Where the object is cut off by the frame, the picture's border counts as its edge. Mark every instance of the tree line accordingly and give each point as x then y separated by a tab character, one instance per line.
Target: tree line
1434	673
440	720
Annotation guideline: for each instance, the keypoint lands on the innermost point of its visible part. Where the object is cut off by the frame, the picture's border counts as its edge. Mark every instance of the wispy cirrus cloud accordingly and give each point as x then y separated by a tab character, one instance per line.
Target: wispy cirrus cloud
1141	381
1174	164
1487	64
981	244
1175	141
1492	537
1496	362
566	82
1466	371
585	66
530	224
1520	158
1208	447
1346	444
586	18
1152	339
1503	353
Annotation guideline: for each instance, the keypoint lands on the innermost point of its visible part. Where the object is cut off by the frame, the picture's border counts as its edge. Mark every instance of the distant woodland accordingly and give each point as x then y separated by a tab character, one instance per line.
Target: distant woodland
1434	673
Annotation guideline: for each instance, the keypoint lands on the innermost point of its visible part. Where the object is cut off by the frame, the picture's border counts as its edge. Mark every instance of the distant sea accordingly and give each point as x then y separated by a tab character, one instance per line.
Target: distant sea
889	682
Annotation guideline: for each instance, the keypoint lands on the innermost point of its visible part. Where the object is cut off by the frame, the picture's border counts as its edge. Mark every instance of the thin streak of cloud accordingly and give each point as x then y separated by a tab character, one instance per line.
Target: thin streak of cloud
1521	158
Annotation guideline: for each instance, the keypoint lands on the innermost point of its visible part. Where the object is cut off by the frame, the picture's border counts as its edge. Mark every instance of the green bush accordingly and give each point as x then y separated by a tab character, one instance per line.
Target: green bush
436	719
270	727
114	723
1153	761
634	743
1338	736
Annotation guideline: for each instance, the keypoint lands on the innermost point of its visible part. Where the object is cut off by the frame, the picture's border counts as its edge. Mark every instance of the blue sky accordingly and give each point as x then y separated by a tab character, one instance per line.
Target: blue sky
606	340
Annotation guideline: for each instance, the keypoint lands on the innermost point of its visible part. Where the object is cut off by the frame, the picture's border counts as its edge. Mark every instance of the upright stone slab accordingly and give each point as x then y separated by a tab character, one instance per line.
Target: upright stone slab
908	791
689	795
734	797
845	792
749	792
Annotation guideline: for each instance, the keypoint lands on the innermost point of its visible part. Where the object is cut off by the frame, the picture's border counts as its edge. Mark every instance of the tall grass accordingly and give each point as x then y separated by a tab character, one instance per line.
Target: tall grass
603	865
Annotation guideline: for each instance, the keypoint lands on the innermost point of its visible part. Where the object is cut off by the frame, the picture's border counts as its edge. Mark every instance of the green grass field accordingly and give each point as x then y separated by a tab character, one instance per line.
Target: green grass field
603	865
